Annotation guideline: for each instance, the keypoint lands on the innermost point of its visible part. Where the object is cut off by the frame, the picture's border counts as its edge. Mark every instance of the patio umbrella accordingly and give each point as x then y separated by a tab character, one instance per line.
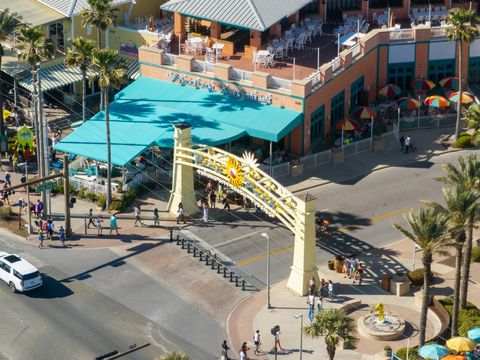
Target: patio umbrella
467	97
347	125
364	112
454	357
460	344
433	351
474	335
408	103
436	101
391	90
423	84
449	83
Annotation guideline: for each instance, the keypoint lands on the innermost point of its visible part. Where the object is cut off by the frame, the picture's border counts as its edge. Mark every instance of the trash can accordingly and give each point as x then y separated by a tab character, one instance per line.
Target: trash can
386	282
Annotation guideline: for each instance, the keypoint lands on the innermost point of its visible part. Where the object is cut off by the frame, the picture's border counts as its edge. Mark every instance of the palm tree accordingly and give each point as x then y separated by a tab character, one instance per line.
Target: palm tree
174	356
101	15
8	24
334	325
429	230
34	48
462	30
467	175
459	205
81	56
110	71
472	117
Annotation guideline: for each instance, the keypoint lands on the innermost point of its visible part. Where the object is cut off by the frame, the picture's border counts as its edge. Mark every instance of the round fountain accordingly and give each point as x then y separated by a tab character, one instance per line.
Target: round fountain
381	325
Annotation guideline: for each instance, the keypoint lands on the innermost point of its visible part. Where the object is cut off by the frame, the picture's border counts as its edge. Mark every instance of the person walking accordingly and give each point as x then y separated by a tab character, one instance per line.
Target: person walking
347	266
61	231
205	211
50	229
243	353
99	225
256	341
90	219
359	274
277	345
311	306
402	144
181	214
407	144
8	179
323	288
113	224
156	218
39	209
226	203
330	290
311	285
225	349
137	212
5	195
319	306
23	180
40	238
213	199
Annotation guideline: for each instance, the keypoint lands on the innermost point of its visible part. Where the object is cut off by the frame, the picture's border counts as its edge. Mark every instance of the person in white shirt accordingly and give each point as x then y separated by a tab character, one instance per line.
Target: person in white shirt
330	289
407	144
256	341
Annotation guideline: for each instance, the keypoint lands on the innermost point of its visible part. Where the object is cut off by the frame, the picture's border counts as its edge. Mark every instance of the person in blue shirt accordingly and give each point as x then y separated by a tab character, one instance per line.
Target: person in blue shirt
113	224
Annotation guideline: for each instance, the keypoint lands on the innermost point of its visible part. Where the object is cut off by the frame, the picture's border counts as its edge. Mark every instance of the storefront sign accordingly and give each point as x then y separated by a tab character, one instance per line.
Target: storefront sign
186	81
242	94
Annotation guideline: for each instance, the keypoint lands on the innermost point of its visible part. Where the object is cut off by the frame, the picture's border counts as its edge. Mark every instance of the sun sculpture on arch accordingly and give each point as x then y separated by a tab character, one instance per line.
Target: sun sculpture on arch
233	172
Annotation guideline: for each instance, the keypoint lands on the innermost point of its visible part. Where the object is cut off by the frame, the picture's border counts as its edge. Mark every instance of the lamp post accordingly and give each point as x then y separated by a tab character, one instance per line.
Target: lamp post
300	316
265	235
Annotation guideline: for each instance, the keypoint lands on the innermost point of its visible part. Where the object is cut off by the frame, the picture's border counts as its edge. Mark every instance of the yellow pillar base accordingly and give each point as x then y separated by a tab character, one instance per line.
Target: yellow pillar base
298	280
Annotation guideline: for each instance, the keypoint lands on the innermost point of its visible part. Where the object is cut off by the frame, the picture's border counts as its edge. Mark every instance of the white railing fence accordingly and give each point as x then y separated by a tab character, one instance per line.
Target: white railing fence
336	64
355	50
357	147
316	159
240	75
92	186
425	122
169	59
278	83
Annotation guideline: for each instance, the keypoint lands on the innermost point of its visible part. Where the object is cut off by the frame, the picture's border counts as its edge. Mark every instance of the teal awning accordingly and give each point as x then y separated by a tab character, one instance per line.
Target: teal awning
143	113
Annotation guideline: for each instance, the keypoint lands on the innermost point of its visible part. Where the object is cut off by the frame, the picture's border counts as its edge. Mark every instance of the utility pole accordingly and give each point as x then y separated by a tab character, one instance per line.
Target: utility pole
28	201
44	144
66	189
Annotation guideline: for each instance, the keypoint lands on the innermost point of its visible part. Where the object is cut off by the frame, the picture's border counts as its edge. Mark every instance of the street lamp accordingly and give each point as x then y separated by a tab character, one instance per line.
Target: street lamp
265	235
300	316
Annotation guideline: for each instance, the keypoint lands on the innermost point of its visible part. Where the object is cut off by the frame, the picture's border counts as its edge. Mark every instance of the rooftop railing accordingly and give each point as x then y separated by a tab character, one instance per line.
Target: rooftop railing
403	34
278	83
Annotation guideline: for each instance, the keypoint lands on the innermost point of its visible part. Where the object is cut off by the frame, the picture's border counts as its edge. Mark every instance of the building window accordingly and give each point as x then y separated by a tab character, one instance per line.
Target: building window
401	74
317	125
474	70
337	111
356	93
439	69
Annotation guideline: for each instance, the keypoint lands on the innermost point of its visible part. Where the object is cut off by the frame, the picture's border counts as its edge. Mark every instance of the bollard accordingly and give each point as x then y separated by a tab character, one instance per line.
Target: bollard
183	243
188	247
178	239
219	268
194	251
224	272
171	235
201	255
213	264
236	281
243	285
231	276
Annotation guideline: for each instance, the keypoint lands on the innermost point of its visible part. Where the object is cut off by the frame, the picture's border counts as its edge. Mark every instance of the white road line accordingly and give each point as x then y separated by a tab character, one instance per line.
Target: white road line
235	239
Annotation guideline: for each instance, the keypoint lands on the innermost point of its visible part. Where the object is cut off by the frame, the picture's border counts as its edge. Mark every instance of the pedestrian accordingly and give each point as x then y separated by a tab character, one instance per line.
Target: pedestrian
137	212
113	224
246	204
319	306
39	209
407	144
256	341
50	229
21	204
40	238
23	180
330	290
5	194
311	306
156	218
220	191
8	179
181	214
402	144
347	267
33	209
205	210
277	345
213	199
226	203
225	349
353	271
311	285
61	231
323	288
99	225
90	219
359	274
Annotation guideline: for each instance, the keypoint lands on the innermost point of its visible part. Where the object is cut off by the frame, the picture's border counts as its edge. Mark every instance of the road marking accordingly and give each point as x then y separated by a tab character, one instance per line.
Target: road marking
377	219
264	256
228	242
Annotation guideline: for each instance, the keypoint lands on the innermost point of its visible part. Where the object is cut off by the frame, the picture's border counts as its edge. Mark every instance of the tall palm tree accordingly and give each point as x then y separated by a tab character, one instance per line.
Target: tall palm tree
81	56
462	30
110	71
467	175
101	15
174	356
459	204
429	230
8	24
334	325
472	117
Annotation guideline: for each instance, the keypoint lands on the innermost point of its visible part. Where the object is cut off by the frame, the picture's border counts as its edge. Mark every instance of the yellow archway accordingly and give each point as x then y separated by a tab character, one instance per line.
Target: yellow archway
244	177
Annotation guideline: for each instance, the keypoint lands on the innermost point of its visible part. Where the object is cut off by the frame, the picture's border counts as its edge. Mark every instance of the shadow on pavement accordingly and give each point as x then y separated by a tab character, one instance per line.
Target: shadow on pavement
51	289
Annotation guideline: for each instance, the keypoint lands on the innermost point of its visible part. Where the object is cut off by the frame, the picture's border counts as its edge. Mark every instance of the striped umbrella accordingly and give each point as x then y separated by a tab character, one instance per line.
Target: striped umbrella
391	90
433	351
449	83
348	125
436	101
364	112
408	103
467	98
454	357
423	84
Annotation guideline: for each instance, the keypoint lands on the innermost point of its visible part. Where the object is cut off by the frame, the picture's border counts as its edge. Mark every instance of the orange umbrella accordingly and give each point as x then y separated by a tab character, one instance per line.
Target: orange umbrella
423	84
449	83
467	97
454	357
364	112
408	103
391	90
436	101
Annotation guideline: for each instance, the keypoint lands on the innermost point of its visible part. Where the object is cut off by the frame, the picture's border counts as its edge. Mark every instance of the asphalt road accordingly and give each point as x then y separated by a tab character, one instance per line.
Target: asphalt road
361	211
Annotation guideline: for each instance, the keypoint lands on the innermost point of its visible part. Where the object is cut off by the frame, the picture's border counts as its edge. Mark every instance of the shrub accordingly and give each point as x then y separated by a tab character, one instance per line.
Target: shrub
129	197
416	277
91	196
81	193
102	201
117	205
5	212
468	317
412	353
463	142
476	254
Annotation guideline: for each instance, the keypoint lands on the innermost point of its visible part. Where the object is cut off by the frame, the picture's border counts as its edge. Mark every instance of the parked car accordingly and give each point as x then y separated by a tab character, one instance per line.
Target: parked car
18	273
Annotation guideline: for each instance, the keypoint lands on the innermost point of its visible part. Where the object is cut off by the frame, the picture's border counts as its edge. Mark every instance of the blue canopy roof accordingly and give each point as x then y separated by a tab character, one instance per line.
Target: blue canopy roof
143	113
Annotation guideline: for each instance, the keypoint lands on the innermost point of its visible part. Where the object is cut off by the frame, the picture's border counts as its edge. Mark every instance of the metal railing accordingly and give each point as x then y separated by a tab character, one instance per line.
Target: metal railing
335	64
404	34
315	79
278	83
317	159
437	31
357	147
425	122
208	68
198	66
281	170
240	75
92	186
355	50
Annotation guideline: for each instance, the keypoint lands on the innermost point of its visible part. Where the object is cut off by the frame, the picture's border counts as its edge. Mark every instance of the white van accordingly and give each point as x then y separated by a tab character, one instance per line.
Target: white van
18	273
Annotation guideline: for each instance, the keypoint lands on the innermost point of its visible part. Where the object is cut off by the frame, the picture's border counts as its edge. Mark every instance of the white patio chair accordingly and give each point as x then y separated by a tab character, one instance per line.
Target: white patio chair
270	61
255	57
289	44
319	29
281	52
309	34
209	55
300	43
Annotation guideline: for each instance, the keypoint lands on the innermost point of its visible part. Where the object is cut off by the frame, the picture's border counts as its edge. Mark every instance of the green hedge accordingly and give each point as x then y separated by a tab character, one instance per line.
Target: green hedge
412	353
463	142
416	277
468	318
476	254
